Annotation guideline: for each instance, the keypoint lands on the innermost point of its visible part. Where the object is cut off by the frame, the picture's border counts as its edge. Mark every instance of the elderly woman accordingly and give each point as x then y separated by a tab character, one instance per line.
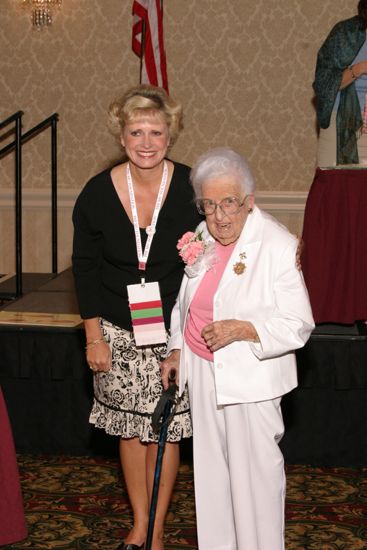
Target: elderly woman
241	312
341	86
127	221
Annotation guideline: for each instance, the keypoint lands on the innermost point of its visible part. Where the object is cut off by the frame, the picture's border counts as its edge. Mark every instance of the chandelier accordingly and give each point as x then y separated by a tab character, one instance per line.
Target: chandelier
42	11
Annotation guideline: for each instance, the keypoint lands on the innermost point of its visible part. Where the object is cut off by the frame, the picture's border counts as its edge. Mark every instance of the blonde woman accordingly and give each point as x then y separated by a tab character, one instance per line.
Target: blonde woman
127	222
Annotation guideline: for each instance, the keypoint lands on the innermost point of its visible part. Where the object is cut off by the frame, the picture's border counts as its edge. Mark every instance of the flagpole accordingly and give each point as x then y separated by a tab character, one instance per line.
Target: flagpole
142	51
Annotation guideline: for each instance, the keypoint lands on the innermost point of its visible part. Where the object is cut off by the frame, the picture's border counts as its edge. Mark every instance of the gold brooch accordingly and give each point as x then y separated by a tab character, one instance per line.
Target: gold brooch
239	267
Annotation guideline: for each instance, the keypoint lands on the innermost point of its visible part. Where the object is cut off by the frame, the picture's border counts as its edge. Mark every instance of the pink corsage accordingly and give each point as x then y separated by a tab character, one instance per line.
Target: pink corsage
196	253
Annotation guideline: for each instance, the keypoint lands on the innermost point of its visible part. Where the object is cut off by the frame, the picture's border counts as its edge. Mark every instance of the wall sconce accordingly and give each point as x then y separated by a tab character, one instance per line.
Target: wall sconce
42	11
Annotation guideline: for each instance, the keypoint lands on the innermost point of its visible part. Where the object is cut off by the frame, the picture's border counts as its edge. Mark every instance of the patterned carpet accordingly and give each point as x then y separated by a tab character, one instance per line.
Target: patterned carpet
79	503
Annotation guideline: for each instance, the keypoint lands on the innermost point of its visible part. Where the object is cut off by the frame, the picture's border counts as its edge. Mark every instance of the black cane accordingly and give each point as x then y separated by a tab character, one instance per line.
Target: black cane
161	418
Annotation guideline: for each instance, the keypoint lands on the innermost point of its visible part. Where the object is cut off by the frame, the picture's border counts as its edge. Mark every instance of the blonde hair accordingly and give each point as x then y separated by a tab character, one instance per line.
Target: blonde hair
145	100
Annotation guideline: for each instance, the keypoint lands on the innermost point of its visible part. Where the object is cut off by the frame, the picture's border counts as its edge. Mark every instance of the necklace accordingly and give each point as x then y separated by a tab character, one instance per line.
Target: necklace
143	256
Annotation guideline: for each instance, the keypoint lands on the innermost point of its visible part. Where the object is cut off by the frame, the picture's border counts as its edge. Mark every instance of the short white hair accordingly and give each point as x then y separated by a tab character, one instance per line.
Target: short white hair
218	162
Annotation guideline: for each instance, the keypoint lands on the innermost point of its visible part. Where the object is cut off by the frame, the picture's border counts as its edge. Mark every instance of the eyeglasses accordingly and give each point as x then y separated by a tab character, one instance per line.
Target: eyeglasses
229	205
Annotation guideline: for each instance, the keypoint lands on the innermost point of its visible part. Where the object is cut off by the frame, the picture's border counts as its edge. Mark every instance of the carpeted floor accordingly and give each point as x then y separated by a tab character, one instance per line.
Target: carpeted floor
80	503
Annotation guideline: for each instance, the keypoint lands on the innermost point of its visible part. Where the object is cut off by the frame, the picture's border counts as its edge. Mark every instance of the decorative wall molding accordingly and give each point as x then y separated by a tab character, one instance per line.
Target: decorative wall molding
281	201
287	207
272	201
38	198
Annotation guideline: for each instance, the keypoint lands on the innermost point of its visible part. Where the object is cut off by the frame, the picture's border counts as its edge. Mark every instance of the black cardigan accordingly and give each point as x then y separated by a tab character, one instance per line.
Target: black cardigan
104	250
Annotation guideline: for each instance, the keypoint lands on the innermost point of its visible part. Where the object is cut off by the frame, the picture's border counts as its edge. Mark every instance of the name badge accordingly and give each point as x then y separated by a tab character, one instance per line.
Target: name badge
146	314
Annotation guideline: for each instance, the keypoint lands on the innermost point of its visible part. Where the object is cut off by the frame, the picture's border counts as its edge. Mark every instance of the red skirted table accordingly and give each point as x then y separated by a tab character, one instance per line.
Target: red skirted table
334	258
12	522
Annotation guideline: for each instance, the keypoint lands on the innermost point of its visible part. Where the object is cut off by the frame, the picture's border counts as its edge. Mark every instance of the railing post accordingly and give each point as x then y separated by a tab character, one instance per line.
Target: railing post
16	146
54	193
18	207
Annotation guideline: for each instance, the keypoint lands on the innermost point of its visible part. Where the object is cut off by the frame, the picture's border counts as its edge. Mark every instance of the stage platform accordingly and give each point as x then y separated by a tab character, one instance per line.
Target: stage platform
48	386
44	294
45	380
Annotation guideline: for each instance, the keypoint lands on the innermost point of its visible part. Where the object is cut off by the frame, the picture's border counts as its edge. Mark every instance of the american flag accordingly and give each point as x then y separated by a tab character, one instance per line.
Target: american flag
147	41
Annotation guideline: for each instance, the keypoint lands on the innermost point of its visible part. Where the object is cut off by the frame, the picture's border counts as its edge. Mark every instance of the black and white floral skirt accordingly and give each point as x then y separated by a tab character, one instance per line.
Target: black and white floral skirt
126	396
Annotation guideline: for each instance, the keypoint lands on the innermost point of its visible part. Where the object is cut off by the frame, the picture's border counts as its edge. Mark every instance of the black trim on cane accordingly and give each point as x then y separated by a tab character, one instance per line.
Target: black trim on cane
167	398
161	418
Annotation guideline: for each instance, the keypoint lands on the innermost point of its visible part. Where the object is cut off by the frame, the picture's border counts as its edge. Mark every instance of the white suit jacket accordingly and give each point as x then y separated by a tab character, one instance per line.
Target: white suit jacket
271	294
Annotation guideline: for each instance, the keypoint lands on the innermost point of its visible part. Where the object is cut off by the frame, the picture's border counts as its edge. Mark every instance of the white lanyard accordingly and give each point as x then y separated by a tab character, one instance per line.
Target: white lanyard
143	256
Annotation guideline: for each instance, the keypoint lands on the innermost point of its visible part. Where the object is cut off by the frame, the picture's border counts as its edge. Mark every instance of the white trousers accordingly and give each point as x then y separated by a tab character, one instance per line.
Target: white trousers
238	467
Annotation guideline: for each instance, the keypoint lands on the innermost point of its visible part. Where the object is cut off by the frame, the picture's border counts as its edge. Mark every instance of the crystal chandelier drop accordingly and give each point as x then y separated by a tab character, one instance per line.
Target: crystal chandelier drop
42	11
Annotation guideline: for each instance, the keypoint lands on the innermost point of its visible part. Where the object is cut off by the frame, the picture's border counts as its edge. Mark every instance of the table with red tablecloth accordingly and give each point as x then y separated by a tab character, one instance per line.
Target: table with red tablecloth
334	258
12	521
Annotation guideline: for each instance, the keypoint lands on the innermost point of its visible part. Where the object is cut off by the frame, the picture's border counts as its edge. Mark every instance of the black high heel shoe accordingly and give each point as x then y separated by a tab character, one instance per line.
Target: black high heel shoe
124	546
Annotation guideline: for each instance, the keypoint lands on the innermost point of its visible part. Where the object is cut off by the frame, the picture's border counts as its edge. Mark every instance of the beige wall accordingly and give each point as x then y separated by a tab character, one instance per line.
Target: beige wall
242	68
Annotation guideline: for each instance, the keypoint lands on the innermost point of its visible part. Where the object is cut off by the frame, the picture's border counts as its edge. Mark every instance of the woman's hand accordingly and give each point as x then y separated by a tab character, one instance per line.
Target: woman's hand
170	368
99	357
221	333
350	74
360	68
98	352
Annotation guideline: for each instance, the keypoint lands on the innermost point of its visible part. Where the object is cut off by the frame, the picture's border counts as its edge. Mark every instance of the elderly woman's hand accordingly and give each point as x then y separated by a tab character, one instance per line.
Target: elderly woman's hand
221	333
170	368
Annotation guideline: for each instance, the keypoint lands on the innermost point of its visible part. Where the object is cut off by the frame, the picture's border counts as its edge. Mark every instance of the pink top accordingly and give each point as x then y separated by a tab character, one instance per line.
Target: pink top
201	308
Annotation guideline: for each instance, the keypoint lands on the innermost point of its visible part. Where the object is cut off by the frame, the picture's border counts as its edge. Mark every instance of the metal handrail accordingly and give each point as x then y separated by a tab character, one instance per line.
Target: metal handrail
16	145
11	118
28	135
